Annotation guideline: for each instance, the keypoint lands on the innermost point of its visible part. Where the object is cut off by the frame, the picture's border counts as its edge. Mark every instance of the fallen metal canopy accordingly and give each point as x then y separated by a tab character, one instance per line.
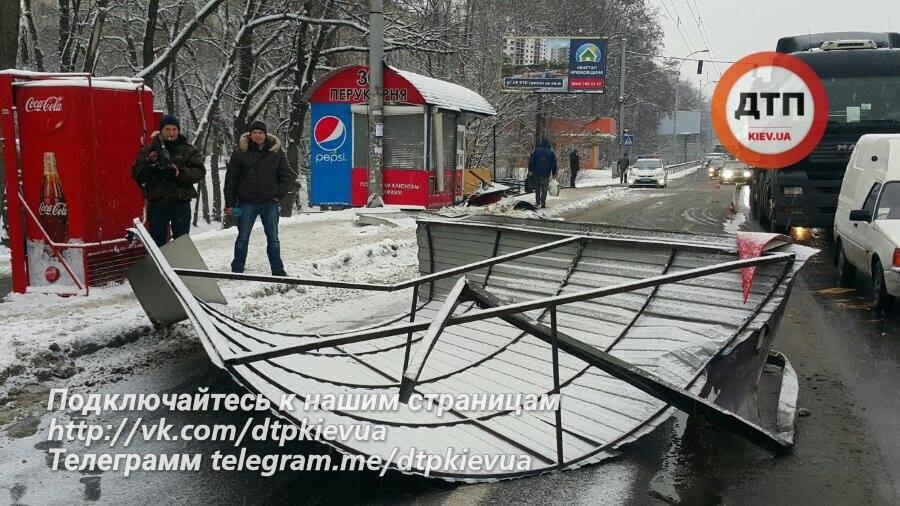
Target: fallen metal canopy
637	320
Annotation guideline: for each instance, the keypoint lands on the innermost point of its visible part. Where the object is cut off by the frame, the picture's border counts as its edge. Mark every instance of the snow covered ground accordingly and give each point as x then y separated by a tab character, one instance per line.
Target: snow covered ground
88	340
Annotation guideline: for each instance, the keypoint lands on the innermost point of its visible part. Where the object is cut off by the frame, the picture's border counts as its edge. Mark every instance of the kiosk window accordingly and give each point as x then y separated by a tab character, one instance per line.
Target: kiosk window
404	141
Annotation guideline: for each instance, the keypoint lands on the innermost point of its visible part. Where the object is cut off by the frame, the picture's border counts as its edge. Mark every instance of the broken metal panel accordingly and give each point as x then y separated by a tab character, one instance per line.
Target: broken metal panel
154	293
615	291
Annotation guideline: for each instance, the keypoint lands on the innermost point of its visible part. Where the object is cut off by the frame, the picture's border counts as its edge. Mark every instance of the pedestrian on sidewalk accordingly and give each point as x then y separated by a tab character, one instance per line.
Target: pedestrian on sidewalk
623	164
255	182
541	166
574	166
167	170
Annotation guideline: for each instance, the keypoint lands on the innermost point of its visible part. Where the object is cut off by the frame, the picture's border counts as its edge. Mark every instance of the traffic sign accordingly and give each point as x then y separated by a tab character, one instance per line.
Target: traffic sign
628	140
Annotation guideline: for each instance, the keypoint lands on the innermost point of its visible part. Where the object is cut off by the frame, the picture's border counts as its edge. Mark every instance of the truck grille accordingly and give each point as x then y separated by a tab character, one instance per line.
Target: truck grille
832	152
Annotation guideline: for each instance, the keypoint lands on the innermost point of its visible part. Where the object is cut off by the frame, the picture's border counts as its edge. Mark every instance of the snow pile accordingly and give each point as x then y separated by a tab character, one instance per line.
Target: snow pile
593	178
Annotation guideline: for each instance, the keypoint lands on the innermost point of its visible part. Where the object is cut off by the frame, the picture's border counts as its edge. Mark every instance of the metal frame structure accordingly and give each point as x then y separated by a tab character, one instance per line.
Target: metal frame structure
469	302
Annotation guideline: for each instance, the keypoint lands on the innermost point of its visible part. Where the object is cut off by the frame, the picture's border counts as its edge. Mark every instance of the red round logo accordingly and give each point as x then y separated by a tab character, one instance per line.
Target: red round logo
770	110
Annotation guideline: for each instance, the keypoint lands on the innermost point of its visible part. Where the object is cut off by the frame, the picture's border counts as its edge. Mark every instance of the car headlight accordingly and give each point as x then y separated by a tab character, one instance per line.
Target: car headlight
712	170
747	173
659	172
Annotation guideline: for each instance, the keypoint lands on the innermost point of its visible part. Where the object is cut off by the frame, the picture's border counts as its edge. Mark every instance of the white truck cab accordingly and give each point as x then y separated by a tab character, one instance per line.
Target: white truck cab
867	222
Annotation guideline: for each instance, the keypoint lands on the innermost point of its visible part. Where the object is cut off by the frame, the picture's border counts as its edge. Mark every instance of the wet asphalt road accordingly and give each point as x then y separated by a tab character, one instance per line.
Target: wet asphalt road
847	450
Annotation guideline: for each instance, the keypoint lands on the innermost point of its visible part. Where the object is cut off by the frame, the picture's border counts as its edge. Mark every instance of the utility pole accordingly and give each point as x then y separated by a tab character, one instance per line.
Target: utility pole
539	119
376	103
622	100
675	118
675	110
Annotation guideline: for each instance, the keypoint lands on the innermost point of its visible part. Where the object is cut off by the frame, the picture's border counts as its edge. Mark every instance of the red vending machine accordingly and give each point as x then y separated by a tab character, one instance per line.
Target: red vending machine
73	197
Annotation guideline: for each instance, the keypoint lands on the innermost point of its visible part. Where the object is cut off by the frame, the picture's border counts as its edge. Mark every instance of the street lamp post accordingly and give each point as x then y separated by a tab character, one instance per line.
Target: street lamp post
703	85
675	110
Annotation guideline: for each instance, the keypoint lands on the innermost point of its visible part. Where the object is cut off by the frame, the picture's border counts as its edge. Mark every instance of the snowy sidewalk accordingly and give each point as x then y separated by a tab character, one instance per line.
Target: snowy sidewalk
44	334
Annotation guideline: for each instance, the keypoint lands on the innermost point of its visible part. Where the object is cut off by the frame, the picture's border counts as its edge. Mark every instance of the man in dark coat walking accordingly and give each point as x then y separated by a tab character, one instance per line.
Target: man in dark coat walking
167	170
574	166
623	165
255	182
542	165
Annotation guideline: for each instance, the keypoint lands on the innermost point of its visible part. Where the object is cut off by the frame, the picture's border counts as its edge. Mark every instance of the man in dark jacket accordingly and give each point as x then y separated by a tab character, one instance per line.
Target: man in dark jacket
542	165
574	165
623	164
167	170
255	182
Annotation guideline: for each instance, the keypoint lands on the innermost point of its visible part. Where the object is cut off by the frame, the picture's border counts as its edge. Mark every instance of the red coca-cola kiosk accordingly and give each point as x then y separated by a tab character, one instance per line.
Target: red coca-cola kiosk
73	139
423	134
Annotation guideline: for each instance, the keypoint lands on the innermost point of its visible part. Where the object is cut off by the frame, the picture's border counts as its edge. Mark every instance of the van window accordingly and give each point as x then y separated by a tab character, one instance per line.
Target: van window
871	198
889	205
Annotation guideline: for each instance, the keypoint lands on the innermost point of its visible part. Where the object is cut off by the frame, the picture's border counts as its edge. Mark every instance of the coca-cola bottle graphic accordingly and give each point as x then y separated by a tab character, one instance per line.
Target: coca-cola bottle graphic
53	212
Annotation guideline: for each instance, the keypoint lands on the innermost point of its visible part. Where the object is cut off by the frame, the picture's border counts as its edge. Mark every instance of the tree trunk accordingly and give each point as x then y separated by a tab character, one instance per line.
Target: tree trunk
32	30
216	185
90	57
9	34
149	32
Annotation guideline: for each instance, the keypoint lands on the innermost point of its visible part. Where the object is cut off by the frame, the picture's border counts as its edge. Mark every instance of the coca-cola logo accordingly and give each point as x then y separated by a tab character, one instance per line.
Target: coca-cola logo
48	104
43	109
57	209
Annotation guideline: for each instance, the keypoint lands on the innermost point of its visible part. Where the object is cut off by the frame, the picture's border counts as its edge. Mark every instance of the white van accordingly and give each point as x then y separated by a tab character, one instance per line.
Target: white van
867	222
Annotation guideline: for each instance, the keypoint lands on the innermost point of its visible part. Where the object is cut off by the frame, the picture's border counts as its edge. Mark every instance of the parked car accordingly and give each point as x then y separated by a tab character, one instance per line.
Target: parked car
735	172
867	221
647	172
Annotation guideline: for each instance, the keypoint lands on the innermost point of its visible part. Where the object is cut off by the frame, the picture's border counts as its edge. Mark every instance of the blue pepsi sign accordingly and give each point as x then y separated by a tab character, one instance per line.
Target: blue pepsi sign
331	154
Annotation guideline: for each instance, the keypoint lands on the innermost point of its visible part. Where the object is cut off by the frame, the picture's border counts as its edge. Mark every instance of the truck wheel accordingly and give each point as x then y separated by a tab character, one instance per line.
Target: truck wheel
882	300
845	269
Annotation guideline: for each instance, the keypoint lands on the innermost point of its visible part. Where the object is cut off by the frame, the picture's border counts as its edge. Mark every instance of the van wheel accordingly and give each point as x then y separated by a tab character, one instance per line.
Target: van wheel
845	269
882	300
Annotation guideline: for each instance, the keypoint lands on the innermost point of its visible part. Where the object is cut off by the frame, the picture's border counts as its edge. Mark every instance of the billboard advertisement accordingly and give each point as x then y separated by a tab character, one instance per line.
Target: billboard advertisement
330	153
554	64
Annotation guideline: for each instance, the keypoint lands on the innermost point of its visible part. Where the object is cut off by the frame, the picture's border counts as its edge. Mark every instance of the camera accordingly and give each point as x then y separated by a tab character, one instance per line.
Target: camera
163	159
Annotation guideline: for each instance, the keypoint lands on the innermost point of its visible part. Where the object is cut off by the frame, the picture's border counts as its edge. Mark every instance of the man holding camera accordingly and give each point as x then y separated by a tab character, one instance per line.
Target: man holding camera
167	170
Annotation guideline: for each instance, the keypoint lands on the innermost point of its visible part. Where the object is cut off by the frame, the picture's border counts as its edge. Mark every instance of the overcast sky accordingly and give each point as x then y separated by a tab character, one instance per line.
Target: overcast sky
736	28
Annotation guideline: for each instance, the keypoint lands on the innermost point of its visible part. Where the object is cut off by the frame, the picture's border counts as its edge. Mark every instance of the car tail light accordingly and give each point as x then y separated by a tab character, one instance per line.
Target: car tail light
896	262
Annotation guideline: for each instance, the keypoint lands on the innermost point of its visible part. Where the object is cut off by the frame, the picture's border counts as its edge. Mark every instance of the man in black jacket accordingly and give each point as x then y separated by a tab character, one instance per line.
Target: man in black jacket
574	166
167	170
541	166
255	182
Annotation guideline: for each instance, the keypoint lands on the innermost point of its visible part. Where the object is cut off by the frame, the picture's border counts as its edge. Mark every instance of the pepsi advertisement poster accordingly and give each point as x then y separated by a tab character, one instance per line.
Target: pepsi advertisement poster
331	154
554	65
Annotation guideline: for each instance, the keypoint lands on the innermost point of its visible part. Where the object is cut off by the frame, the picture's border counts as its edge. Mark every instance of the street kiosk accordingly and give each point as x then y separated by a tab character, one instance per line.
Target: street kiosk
424	143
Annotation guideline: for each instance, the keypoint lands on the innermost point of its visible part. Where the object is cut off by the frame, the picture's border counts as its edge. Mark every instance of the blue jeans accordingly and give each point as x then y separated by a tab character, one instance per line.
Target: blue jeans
161	215
268	213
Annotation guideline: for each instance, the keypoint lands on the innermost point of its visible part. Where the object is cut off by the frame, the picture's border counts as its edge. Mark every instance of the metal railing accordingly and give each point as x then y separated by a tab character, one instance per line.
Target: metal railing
680	167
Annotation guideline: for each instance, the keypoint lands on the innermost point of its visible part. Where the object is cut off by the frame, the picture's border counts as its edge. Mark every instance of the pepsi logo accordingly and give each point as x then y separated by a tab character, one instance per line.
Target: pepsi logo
330	133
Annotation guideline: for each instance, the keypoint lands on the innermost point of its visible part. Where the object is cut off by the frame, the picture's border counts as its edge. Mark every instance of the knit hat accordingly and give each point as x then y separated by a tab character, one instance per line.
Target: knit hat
259	125
168	119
